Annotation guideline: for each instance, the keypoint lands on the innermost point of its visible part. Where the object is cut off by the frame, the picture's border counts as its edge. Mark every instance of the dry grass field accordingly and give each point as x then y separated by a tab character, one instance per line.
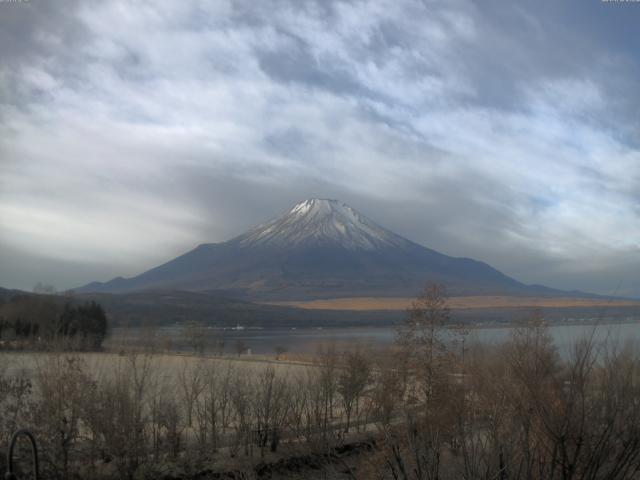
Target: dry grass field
459	303
170	366
151	413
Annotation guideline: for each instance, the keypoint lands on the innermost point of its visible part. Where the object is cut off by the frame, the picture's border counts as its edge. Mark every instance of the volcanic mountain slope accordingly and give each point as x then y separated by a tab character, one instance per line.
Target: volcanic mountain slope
319	249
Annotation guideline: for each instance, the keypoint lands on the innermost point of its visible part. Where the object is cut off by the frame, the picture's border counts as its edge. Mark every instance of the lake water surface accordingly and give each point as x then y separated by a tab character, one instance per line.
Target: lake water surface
308	340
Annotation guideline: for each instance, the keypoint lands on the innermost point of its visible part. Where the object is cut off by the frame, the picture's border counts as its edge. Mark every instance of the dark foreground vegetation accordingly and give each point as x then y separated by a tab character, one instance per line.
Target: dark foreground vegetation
39	321
431	408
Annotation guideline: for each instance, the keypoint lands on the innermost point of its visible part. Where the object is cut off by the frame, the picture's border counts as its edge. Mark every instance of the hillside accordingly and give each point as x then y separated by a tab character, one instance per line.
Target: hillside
320	249
166	307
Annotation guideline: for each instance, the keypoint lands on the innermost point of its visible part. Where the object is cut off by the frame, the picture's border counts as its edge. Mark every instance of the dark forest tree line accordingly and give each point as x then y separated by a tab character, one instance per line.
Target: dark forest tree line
40	318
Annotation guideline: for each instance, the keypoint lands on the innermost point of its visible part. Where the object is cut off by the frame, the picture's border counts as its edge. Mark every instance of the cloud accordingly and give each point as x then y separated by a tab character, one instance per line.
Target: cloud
130	132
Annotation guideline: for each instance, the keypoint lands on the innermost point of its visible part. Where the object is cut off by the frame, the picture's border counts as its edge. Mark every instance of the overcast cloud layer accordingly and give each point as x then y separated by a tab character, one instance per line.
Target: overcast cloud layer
505	131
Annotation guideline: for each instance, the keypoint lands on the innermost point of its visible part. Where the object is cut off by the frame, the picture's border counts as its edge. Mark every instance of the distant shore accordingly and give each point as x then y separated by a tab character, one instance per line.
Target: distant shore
456	303
551	323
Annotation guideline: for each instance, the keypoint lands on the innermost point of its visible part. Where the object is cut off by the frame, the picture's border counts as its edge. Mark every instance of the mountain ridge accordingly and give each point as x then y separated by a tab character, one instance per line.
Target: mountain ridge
319	248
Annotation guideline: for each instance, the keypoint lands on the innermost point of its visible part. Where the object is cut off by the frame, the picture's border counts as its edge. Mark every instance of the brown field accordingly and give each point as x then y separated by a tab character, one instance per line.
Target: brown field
470	302
169	365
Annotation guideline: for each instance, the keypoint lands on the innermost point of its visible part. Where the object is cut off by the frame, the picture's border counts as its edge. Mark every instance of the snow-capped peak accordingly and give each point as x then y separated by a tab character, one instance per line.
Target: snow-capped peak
320	221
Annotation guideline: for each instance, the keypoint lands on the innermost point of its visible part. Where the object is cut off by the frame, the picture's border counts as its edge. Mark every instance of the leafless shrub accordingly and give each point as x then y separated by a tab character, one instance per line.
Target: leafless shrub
270	406
62	381
191	385
171	425
353	379
16	405
213	405
327	378
240	395
195	335
120	416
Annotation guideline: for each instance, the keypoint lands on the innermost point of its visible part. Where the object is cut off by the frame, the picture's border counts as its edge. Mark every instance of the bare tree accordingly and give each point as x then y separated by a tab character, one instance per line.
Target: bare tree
195	335
413	447
240	395
327	366
352	381
191	383
386	395
280	350
270	408
213	406
62	381
240	347
16	404
120	416
423	338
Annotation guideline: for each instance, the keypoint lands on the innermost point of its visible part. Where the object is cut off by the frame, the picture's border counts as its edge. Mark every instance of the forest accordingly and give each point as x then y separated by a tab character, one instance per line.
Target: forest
40	321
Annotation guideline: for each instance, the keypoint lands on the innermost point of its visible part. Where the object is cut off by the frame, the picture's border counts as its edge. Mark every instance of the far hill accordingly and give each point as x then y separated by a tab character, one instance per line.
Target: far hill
170	307
162	308
321	249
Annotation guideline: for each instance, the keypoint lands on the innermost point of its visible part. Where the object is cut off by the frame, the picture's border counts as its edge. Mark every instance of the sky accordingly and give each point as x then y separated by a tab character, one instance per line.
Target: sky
505	131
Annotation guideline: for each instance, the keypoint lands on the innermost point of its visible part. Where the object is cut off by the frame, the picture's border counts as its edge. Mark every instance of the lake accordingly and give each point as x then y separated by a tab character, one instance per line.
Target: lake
308	340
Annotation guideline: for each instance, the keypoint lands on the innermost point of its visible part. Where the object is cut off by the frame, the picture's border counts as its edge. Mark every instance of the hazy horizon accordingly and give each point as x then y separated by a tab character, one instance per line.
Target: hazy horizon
506	132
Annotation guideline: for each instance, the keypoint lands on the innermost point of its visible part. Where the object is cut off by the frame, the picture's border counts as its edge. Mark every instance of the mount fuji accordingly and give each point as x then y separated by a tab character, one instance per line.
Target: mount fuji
320	248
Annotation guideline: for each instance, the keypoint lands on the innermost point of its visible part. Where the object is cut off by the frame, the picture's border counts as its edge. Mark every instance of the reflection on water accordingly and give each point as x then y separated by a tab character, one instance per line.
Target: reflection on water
308	340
